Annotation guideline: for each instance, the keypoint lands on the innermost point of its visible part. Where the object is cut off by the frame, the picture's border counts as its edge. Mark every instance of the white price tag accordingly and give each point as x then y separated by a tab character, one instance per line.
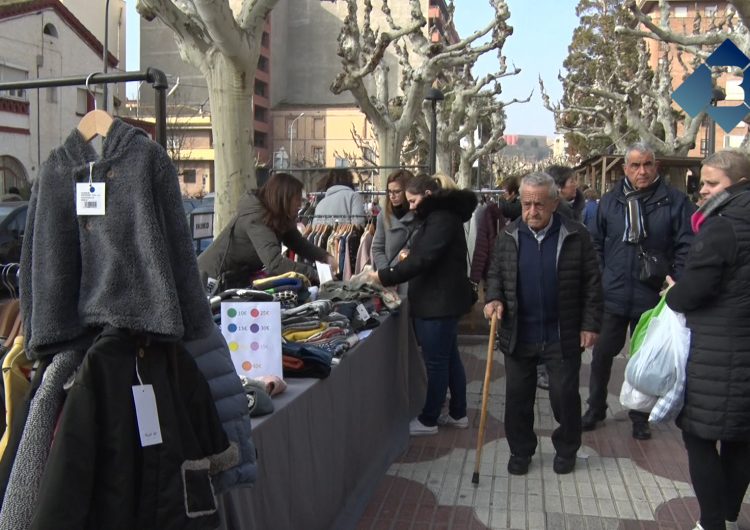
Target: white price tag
90	198
147	414
362	312
324	272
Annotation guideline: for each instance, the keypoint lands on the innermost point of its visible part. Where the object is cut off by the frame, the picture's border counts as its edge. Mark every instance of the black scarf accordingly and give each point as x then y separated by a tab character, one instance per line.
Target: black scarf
635	228
400	210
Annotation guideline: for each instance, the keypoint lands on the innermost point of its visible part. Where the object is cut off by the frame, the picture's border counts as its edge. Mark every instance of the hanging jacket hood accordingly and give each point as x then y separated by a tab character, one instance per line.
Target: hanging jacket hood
460	202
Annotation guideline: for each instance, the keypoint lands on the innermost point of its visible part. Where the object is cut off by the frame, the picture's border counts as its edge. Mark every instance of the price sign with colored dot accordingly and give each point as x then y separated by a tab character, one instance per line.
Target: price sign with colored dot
253	333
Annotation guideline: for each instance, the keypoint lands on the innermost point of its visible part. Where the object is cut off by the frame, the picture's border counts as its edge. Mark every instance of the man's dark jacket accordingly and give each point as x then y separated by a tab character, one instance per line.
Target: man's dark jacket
572	209
666	216
579	288
436	266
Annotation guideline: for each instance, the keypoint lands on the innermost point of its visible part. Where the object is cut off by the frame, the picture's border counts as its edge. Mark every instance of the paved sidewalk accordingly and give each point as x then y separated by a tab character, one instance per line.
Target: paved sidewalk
619	483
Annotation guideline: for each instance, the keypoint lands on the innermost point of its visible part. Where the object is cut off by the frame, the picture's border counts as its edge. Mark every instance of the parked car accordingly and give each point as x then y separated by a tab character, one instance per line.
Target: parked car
12	227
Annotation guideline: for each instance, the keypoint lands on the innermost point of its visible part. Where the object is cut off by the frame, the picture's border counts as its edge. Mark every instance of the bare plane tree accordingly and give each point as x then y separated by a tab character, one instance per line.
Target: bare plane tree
622	102
224	45
366	75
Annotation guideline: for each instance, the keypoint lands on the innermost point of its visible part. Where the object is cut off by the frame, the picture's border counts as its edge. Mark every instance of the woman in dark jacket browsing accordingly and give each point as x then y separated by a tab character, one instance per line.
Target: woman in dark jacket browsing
714	294
252	240
439	293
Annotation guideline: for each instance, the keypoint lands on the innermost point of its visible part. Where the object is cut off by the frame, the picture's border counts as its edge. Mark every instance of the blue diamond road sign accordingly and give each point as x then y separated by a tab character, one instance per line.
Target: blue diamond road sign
695	94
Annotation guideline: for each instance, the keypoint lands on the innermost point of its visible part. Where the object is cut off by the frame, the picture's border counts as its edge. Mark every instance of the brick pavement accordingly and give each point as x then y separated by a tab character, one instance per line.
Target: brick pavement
619	483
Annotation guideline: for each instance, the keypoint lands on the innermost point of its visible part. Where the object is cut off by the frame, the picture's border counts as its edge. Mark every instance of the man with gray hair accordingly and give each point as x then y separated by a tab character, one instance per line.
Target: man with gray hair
642	234
543	286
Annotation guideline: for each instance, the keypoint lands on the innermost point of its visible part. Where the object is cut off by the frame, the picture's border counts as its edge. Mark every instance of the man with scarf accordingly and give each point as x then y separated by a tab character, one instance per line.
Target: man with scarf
642	233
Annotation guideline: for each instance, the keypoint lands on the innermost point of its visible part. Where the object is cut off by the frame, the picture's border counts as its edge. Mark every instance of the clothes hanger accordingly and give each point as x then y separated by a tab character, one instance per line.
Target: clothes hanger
95	122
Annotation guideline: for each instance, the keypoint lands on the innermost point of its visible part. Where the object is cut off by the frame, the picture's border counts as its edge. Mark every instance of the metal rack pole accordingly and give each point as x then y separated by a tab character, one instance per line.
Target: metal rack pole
154	76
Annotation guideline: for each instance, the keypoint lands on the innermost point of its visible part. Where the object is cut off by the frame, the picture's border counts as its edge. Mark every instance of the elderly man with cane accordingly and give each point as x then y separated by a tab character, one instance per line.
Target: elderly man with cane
544	288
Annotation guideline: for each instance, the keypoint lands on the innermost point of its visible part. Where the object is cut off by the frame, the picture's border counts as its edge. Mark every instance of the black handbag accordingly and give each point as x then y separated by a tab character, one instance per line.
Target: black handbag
654	267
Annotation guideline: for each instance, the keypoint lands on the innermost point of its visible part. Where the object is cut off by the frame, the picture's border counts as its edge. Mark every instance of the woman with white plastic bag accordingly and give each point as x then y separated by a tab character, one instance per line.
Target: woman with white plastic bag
714	295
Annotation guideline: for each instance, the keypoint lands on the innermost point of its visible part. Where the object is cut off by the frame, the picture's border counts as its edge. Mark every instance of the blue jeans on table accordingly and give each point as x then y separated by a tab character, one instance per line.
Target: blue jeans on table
438	338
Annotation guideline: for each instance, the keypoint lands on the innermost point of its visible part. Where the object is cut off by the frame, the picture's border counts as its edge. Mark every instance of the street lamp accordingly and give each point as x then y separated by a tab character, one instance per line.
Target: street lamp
716	95
434	95
291	138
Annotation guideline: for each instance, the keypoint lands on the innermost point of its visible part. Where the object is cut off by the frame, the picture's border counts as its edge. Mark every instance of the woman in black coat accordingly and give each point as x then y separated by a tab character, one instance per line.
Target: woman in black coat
714	294
439	293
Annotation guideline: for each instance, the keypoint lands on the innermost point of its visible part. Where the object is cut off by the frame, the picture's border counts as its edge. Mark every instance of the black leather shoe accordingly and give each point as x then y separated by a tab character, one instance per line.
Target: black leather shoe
518	465
591	418
641	431
563	465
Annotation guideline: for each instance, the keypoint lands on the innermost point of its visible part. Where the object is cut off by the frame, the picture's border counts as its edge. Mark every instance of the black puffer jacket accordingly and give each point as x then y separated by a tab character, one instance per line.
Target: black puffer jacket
714	294
98	477
667	220
436	265
579	287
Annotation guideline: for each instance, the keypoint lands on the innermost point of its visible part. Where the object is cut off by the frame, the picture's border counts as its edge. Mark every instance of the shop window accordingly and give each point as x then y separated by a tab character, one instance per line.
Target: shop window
50	29
82	101
188	176
9	74
319	156
319	128
680	12
261	88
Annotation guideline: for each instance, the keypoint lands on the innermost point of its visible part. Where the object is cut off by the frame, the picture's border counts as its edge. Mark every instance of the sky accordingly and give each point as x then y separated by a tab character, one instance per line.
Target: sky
542	30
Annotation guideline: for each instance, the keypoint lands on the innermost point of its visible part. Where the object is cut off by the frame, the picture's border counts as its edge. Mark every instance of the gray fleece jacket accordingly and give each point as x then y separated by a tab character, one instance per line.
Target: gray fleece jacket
132	268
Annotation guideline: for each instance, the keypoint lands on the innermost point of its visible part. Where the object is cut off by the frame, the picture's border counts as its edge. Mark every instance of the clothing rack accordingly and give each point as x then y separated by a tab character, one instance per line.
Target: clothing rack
153	76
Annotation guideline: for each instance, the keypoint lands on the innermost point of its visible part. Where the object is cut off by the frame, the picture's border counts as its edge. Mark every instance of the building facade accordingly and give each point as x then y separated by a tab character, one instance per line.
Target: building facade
298	121
683	17
41	39
189	98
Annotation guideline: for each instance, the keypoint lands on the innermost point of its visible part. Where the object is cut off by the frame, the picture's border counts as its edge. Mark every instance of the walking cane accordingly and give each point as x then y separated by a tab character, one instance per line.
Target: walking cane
485	396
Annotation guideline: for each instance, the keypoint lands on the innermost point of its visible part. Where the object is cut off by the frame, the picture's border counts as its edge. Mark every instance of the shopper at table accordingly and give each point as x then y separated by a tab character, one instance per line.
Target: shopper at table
395	223
439	293
341	203
252	240
713	294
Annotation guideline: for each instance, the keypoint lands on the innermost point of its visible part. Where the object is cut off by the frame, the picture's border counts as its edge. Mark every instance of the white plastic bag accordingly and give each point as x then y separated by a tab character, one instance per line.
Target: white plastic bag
652	370
670	404
632	399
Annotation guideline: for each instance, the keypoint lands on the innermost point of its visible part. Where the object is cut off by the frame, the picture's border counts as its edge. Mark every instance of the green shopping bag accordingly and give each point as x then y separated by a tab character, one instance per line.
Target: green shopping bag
640	329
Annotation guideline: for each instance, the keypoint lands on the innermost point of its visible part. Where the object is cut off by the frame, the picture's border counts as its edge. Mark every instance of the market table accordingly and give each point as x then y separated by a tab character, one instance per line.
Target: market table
327	444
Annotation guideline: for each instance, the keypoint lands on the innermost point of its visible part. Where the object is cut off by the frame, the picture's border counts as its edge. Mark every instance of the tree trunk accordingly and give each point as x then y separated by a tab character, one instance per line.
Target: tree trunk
389	147
231	95
464	172
443	160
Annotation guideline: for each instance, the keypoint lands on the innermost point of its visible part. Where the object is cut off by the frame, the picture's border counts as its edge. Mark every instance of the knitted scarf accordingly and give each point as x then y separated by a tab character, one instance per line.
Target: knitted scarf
635	228
708	207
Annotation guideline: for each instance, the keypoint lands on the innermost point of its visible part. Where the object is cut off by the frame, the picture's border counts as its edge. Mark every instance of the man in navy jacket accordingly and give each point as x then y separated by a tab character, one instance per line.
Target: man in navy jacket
544	286
641	217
